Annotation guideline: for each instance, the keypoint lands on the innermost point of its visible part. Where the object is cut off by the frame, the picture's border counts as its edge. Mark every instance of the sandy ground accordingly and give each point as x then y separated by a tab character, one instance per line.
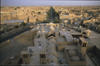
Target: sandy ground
20	43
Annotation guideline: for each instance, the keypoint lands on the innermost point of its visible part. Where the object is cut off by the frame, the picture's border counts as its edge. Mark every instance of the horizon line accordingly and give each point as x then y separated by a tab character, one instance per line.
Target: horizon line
55	5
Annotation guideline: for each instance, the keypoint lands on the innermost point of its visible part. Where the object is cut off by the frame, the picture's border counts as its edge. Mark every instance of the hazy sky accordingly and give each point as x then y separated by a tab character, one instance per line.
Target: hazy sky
47	2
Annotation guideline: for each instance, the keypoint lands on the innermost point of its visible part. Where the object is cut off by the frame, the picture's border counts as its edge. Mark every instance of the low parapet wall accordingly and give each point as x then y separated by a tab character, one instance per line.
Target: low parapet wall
78	63
61	45
94	54
90	48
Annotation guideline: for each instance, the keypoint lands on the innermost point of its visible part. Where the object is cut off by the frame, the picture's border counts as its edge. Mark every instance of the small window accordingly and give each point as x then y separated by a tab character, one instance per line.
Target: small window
25	56
42	56
84	44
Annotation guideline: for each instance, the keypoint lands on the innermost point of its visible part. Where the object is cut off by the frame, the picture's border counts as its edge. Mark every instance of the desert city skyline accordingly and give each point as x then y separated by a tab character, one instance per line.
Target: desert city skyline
54	33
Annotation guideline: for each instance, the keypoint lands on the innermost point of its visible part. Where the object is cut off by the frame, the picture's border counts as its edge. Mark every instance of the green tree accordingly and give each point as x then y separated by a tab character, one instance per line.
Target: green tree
15	9
2	31
45	21
18	7
55	14
23	24
39	12
57	21
36	19
16	26
48	14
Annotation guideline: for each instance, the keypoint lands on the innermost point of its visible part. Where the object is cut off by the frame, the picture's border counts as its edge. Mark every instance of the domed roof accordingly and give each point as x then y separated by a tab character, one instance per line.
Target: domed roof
80	26
42	28
52	41
63	29
53	52
75	58
51	23
52	59
43	31
39	32
37	27
88	31
51	28
72	52
51	47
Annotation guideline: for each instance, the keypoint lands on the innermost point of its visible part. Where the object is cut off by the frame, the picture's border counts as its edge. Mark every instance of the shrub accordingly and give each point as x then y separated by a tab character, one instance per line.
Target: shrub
16	26
2	31
36	19
15	9
39	12
57	21
23	24
44	21
18	7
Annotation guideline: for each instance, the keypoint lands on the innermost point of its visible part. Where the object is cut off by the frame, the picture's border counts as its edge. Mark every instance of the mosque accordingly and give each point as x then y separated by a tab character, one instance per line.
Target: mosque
51	41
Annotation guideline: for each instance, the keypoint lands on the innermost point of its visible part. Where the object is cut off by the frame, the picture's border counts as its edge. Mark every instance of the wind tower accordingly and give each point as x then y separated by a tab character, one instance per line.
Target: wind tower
82	46
42	56
25	57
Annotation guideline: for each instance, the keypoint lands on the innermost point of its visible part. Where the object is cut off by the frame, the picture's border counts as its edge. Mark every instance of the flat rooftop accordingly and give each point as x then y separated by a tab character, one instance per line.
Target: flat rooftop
82	39
13	21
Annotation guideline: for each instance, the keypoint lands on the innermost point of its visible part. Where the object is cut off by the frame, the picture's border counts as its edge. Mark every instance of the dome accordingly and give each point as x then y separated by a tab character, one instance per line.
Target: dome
51	47
51	23
88	31
37	27
52	59
63	29
80	27
75	58
51	28
72	52
53	52
43	31
42	28
39	32
52	41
